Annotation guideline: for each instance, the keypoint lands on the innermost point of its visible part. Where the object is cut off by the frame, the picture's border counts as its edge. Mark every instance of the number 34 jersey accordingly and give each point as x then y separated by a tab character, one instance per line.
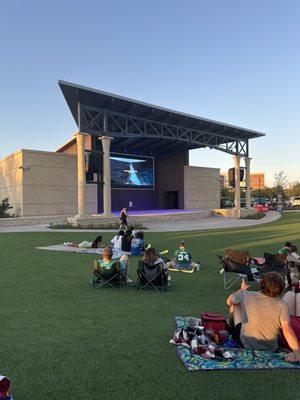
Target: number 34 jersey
182	257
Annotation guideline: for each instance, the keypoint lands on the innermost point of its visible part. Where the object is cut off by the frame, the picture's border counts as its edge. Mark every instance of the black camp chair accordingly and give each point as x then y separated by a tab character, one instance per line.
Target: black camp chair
112	277
151	276
276	263
235	267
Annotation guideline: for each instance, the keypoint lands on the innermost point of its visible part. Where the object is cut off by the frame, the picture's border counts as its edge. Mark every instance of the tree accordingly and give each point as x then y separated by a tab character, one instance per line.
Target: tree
294	189
280	183
265	192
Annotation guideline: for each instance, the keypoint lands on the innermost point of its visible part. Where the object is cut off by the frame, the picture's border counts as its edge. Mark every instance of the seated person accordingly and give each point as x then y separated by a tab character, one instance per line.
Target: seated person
117	240
138	244
182	259
292	299
151	258
286	249
107	261
86	244
259	316
126	242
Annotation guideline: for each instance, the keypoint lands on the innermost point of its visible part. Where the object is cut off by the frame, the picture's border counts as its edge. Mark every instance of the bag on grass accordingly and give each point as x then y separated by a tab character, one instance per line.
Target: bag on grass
215	322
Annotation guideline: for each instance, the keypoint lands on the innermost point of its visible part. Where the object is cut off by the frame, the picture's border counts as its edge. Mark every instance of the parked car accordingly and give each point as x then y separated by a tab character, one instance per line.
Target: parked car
295	201
243	202
263	201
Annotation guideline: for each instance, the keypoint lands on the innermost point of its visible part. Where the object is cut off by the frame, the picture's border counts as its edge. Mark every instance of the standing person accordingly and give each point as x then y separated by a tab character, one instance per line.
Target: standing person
123	216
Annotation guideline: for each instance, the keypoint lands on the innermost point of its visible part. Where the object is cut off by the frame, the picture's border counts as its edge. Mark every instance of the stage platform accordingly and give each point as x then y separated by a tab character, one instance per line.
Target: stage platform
165	215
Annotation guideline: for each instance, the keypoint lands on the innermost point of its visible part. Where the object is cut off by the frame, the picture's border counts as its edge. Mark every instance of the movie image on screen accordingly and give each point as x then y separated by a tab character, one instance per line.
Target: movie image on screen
131	172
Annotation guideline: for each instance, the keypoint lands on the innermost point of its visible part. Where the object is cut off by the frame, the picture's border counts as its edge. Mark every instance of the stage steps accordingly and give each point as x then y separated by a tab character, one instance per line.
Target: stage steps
185	216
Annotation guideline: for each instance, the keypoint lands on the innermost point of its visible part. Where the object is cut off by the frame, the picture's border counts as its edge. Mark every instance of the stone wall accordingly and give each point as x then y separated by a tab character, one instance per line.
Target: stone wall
11	185
201	188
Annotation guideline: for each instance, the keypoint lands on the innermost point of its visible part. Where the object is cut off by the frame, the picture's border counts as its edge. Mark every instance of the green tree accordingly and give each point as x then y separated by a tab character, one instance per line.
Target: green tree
294	189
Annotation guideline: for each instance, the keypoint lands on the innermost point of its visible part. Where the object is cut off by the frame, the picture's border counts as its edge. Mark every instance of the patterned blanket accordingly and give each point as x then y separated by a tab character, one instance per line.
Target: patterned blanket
243	359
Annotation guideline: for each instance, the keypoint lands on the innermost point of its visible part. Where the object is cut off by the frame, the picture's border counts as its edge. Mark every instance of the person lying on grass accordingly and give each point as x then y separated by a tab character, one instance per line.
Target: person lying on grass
107	261
86	244
259	316
182	258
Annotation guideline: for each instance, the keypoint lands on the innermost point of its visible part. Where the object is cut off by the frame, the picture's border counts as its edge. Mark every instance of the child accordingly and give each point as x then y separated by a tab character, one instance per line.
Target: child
138	244
182	259
123	217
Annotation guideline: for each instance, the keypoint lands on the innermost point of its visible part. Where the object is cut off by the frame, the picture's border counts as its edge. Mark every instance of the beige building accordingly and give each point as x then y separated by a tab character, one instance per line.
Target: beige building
42	183
257	180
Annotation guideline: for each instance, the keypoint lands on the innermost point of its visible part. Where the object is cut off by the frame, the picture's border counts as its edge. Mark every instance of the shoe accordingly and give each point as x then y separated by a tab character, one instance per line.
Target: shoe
129	280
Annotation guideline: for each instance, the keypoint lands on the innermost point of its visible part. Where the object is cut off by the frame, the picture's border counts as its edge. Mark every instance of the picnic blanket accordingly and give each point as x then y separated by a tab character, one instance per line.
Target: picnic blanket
61	247
243	359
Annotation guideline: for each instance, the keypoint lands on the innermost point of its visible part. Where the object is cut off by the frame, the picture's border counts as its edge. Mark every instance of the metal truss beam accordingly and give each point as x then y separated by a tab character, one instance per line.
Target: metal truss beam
126	126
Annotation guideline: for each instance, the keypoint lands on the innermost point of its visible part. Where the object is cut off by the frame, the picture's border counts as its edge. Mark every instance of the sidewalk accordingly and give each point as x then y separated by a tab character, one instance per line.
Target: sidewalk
216	222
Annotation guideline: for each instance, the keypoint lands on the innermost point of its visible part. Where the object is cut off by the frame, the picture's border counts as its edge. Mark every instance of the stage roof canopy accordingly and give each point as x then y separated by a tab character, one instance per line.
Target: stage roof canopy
143	128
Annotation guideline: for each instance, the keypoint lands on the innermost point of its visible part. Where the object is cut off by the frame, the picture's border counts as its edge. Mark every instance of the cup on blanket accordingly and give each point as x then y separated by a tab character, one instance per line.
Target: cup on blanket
223	336
210	333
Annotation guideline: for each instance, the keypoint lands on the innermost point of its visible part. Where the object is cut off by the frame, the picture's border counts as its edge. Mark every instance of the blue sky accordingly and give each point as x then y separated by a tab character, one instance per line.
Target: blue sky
234	61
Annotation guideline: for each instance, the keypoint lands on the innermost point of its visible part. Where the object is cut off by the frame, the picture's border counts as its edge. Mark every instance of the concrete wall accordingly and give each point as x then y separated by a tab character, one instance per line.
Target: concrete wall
11	184
50	183
201	187
169	177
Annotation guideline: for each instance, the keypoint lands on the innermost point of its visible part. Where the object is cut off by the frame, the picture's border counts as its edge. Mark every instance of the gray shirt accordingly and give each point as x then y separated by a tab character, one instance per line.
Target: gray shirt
261	319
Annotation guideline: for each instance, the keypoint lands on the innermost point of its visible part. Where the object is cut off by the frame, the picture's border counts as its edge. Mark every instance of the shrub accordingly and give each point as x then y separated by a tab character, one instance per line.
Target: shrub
108	225
4	207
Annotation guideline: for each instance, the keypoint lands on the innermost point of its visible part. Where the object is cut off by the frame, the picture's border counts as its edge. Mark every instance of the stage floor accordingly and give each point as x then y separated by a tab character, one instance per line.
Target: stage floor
145	213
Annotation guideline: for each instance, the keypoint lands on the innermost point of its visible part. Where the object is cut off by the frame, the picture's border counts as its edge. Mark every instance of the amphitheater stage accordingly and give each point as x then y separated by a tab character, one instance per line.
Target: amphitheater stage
163	214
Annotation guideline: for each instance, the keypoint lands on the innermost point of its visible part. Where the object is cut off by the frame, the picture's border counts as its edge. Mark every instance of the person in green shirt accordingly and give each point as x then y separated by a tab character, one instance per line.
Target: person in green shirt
107	262
286	249
182	260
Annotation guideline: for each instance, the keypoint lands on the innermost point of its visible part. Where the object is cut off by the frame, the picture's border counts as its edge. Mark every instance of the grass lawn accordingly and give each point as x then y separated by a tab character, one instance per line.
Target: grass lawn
62	340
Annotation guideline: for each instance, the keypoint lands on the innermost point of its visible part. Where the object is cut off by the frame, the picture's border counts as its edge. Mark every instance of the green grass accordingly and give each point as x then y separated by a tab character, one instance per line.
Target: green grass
62	340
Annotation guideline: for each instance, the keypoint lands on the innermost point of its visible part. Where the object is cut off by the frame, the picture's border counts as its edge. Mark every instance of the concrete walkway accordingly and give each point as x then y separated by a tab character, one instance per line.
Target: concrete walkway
216	222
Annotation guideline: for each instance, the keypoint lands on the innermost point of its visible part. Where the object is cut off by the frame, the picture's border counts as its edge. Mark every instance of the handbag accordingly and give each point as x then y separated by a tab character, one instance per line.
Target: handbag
213	321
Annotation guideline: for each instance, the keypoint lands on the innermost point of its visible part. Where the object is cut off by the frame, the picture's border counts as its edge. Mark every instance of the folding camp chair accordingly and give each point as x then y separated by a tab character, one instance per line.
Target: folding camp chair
151	276
276	263
235	267
112	277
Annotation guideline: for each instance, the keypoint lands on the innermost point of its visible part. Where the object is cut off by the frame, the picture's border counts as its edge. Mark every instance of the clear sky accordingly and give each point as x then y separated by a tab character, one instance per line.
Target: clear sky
236	61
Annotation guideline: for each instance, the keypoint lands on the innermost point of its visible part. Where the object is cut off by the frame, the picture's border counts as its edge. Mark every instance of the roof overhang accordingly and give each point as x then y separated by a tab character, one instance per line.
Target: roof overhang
138	126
